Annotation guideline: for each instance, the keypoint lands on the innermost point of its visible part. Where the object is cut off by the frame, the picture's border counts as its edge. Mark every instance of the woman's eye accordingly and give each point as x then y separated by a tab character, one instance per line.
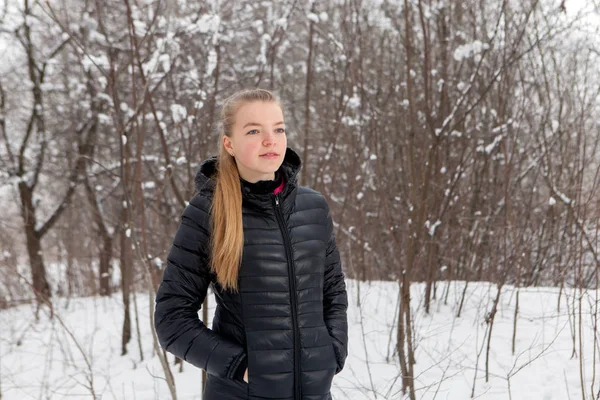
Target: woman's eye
253	131
281	130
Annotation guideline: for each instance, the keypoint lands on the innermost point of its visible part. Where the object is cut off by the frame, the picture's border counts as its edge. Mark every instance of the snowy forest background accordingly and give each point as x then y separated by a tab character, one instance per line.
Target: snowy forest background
455	140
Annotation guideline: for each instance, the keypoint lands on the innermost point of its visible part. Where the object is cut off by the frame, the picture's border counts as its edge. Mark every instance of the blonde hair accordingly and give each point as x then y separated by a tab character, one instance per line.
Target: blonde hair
227	238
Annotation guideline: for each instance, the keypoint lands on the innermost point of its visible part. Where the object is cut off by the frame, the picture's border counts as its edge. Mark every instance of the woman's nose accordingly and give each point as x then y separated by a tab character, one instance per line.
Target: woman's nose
269	138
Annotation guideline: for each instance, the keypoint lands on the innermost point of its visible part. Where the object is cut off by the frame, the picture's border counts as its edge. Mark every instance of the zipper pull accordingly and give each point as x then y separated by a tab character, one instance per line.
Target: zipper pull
276	201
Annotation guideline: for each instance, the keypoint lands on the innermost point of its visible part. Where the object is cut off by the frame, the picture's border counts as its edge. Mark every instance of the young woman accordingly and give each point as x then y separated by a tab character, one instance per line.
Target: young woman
267	247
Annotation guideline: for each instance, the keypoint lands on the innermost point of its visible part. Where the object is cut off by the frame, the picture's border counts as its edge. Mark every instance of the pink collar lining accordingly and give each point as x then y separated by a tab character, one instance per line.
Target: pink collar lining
279	188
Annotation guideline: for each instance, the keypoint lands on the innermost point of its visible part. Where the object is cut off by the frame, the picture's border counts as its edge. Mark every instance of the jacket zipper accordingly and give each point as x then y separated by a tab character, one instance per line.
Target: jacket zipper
292	277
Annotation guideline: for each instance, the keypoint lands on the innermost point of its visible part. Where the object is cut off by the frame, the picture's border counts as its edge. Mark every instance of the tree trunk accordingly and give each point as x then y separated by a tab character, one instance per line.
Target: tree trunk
41	288
70	273
105	267
205	319
126	265
431	257
304	177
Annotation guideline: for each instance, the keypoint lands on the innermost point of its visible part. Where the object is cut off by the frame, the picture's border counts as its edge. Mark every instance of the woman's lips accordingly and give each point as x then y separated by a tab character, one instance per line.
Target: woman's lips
270	156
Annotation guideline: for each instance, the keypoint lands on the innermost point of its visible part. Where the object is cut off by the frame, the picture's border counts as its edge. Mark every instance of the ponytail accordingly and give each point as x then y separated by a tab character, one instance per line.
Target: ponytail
227	238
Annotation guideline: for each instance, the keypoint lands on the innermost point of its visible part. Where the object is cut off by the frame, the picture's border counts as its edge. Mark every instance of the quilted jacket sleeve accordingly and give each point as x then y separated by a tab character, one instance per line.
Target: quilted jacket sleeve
335	298
181	293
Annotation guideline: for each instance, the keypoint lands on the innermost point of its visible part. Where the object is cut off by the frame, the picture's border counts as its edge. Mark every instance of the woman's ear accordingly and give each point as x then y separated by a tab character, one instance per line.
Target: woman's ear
227	145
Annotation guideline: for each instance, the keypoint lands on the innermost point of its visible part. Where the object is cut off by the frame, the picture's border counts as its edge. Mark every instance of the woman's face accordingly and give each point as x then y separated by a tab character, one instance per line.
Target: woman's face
258	140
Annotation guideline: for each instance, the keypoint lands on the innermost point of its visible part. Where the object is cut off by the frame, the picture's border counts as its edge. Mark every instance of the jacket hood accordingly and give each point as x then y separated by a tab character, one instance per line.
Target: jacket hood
207	172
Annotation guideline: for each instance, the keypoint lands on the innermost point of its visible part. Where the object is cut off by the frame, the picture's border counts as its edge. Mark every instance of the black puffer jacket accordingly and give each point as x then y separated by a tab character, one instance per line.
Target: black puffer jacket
288	323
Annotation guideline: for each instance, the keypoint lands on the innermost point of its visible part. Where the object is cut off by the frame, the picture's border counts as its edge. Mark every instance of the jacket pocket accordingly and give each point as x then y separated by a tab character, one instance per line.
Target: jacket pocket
334	355
224	388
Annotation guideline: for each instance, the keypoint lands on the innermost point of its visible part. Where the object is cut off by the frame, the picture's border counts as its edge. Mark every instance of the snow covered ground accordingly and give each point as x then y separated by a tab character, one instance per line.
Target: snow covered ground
43	361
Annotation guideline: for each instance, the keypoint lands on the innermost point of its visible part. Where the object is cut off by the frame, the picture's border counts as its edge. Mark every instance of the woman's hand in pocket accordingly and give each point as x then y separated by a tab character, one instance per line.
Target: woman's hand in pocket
246	376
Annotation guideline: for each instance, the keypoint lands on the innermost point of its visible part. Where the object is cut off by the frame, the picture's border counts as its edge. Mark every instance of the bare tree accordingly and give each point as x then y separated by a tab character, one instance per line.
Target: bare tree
27	171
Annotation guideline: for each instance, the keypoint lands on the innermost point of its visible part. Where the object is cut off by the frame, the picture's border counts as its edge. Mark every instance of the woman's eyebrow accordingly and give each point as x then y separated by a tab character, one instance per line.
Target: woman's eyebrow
257	124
